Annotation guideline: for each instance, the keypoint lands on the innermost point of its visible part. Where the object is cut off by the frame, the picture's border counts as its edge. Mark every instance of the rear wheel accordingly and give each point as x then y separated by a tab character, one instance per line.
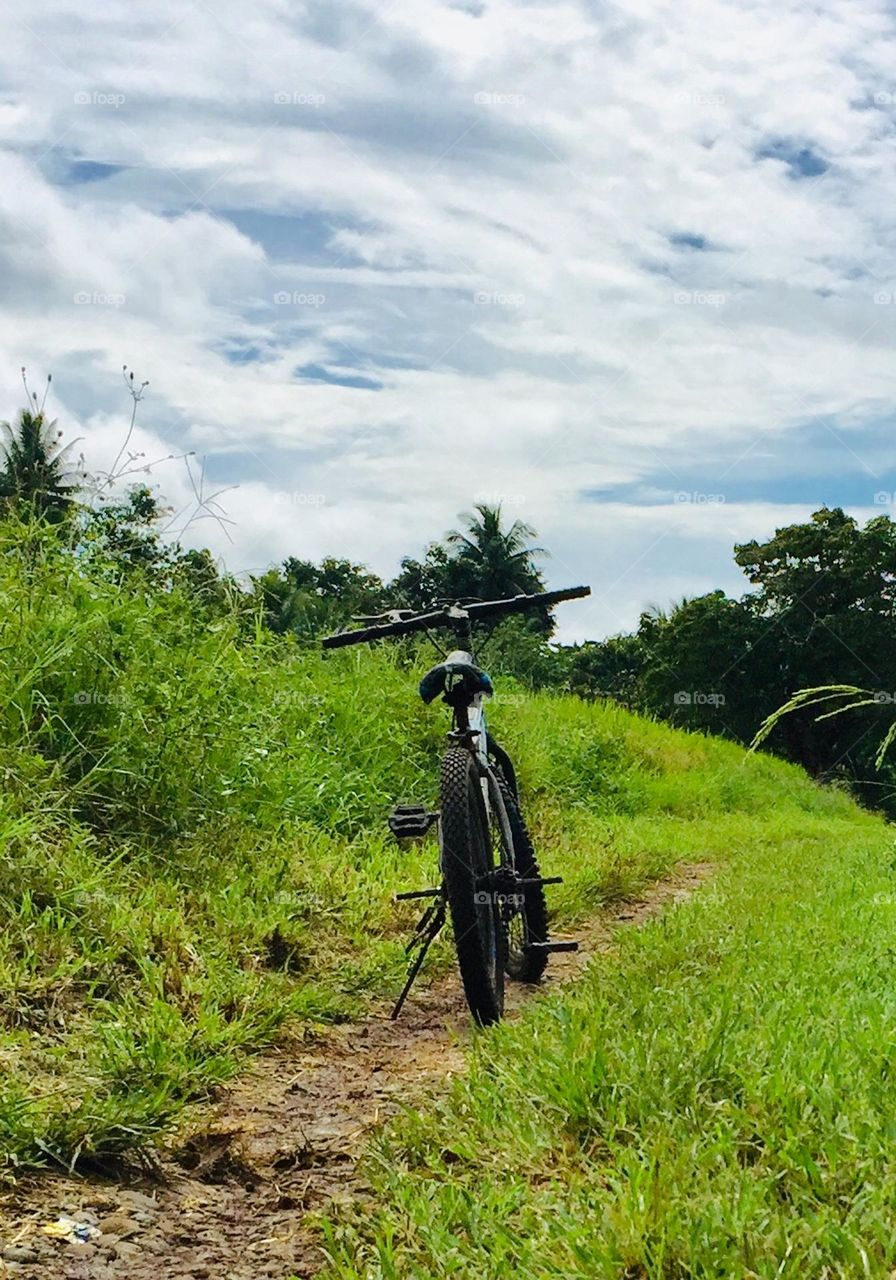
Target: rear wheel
467	859
530	923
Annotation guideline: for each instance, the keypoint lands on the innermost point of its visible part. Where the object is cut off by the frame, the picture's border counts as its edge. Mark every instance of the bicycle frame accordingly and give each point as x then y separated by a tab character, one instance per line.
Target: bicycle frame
465	688
470	729
491	792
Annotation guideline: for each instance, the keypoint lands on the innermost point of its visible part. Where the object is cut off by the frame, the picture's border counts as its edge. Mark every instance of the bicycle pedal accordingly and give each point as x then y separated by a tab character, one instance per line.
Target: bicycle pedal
542	948
410	821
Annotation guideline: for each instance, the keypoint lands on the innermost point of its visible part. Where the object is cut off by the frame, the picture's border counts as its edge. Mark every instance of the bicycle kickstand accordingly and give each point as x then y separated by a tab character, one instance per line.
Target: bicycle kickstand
425	933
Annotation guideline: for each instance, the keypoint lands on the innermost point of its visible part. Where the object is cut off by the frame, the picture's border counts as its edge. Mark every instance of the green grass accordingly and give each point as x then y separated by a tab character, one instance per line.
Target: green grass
193	852
714	1099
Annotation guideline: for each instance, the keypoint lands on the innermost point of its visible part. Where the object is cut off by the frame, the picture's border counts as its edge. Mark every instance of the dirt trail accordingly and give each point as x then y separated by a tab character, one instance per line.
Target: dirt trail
230	1204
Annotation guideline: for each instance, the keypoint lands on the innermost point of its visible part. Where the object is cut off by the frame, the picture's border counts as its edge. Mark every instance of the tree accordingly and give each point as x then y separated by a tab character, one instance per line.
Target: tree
430	582
485	561
123	533
308	599
500	561
35	474
826	568
711	664
122	541
821	613
610	668
828	589
515	649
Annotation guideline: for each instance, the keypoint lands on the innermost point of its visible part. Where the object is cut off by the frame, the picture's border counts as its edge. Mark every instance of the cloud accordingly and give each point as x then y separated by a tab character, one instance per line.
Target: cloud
399	256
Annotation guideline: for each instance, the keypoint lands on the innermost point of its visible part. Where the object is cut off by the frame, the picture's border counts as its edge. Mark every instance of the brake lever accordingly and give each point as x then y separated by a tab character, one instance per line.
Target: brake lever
391	615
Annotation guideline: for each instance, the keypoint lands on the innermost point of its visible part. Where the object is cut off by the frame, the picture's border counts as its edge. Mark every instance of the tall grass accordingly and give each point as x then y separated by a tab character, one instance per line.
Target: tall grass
193	849
713	1100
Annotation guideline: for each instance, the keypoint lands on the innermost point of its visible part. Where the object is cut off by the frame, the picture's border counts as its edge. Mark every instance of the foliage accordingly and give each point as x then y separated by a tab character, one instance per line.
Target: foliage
822	613
848	696
35	475
500	560
123	533
712	661
826	568
711	1099
516	649
607	668
181	789
483	561
430	582
308	600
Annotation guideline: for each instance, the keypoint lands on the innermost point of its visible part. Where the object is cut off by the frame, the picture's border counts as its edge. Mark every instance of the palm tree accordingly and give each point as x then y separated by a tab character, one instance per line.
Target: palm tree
34	467
499	561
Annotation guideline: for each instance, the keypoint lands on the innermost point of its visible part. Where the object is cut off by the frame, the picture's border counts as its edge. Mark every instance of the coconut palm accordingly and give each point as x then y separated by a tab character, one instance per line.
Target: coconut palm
499	561
34	469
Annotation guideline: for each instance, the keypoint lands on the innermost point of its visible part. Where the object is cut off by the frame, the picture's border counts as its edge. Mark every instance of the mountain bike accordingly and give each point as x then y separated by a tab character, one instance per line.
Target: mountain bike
491	883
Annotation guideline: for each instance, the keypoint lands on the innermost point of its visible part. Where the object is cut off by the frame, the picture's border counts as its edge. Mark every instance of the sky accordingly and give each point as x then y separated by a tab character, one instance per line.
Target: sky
627	270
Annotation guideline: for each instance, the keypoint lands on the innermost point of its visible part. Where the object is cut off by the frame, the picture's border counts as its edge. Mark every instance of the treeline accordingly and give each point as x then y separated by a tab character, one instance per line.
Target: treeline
484	560
820	611
128	537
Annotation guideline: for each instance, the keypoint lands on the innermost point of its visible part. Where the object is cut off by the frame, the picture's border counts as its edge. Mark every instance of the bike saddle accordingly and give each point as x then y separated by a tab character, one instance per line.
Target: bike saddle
458	668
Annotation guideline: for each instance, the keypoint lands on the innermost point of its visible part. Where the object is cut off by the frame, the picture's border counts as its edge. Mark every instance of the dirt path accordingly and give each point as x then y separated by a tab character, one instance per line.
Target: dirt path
230	1204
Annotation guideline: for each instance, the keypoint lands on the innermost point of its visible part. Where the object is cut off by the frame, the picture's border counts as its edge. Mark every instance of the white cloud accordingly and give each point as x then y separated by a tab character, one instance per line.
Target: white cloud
482	206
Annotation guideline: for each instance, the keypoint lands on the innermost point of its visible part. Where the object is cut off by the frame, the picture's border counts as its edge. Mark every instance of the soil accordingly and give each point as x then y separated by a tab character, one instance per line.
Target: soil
231	1202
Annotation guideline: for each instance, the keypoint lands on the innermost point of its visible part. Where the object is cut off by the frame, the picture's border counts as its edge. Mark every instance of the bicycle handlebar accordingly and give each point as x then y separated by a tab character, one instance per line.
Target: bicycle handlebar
451	616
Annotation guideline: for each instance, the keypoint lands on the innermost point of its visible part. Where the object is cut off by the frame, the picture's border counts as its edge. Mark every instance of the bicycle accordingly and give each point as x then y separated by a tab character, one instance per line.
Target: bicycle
491	886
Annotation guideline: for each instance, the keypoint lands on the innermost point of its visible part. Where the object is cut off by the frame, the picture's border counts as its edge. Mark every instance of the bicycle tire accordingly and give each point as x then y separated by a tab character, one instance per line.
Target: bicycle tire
466	855
522	965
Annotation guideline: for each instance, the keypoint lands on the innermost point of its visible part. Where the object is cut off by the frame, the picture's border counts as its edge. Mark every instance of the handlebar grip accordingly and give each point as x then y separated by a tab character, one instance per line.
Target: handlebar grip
343	638
518	604
421	623
568	593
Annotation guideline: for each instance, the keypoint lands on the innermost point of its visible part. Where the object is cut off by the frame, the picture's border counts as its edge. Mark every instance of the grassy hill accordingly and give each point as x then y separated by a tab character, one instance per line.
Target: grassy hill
715	1099
193	853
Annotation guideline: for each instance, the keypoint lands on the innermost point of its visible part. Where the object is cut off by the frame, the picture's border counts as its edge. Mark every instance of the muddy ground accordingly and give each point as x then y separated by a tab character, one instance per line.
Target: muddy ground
231	1202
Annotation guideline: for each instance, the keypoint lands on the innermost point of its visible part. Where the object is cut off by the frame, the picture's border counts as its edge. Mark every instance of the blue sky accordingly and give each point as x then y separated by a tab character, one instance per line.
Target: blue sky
628	269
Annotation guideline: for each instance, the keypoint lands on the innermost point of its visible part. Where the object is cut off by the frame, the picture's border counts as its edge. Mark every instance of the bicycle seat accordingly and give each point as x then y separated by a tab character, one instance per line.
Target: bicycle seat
457	668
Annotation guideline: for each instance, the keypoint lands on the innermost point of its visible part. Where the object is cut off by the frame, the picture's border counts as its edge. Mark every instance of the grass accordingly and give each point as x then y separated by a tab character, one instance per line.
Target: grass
714	1099
193	852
